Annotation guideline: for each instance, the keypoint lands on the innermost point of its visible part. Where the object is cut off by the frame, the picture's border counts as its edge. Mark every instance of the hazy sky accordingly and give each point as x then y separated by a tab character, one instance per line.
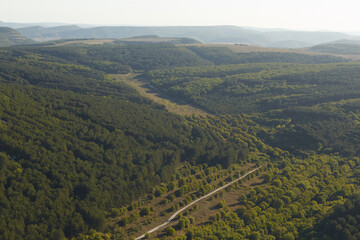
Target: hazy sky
292	14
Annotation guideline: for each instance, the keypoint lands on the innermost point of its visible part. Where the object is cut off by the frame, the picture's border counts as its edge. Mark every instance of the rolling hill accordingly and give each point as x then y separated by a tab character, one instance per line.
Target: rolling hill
9	37
39	33
342	46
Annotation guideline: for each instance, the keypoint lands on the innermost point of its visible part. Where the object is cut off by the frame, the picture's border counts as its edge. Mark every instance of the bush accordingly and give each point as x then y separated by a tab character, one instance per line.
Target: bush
145	211
170	231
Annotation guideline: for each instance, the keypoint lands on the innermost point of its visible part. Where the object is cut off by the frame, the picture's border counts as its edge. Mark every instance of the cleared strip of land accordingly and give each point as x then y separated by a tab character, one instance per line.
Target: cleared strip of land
195	201
146	90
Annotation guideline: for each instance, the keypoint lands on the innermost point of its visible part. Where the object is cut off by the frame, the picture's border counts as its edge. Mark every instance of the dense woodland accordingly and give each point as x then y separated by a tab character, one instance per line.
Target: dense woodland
77	148
289	205
81	143
297	106
222	56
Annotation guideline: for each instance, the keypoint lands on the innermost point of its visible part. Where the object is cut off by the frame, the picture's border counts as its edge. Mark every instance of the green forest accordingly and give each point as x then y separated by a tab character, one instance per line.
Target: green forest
83	156
299	107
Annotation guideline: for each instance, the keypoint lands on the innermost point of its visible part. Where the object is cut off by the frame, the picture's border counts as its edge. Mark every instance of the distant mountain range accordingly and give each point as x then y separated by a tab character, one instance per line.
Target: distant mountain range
41	24
207	34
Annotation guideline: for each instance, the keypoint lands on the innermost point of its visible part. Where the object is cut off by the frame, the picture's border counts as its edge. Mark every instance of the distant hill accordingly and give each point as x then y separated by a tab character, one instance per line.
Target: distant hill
206	34
41	24
289	44
347	41
347	47
157	39
39	33
10	37
309	37
223	34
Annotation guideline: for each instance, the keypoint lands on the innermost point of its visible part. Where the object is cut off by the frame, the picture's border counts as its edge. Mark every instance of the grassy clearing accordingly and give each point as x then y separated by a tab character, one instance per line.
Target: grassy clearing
87	41
148	39
144	89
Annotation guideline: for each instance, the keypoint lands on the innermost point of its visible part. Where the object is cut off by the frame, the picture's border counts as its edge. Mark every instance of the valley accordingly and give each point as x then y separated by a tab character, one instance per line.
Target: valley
173	105
111	139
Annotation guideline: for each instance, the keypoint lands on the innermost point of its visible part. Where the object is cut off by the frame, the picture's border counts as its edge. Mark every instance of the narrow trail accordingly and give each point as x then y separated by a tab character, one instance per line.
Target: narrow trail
195	201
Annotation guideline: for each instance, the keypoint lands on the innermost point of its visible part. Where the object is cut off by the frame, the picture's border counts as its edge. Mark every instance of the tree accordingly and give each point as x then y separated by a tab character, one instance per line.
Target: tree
170	231
145	211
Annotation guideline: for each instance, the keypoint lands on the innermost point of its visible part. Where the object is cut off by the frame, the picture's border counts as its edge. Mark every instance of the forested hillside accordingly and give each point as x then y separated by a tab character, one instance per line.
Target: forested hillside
222	55
83	156
120	58
74	143
298	106
264	86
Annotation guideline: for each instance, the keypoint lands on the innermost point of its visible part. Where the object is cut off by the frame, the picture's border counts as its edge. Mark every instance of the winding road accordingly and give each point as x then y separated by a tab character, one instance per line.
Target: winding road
195	201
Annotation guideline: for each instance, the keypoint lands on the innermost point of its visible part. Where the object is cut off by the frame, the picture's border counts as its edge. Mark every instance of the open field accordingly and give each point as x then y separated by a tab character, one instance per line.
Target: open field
86	41
148	39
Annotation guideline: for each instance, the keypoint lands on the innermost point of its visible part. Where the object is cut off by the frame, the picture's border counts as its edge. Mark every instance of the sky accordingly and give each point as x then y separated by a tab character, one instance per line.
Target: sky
312	15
